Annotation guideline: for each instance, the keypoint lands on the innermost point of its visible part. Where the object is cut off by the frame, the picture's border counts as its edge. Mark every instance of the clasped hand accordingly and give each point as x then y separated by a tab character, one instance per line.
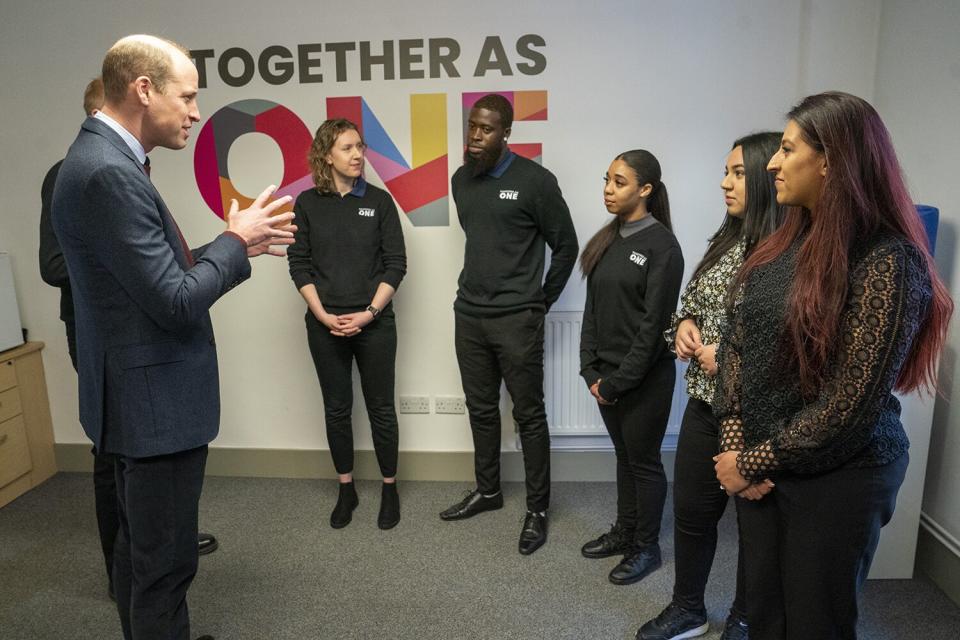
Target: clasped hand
261	230
734	483
347	324
595	392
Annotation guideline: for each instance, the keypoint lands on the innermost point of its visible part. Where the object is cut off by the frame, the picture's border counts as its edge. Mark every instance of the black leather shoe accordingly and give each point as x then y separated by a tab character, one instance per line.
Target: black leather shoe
206	543
637	565
534	532
735	629
389	514
472	504
347	501
615	542
205	638
675	623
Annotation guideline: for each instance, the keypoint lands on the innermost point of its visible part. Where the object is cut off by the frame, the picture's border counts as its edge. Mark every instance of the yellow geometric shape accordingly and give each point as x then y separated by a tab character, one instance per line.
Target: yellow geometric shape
428	127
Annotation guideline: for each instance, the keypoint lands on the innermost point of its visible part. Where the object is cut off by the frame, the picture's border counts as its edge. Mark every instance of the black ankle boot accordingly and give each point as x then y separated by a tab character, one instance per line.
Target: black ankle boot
346	503
389	514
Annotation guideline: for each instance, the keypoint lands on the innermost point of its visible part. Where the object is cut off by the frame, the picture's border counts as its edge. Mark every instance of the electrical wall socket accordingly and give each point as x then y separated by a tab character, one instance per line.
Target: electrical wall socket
414	404
449	404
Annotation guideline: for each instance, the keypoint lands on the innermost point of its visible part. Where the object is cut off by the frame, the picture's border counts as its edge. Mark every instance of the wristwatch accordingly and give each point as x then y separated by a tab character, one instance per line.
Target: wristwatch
375	311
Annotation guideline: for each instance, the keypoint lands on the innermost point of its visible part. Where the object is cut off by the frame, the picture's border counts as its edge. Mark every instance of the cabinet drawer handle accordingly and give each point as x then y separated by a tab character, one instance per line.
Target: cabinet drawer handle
3	439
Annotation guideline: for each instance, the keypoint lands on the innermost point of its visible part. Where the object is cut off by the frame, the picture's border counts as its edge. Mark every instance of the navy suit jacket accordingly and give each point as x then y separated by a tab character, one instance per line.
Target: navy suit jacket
147	360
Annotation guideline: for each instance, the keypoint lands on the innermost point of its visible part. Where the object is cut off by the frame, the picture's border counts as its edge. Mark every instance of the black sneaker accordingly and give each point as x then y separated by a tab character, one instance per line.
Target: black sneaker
615	542
675	623
636	565
735	629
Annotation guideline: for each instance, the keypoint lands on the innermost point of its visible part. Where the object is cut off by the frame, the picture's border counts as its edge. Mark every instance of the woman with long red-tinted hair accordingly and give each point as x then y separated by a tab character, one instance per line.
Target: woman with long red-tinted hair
839	308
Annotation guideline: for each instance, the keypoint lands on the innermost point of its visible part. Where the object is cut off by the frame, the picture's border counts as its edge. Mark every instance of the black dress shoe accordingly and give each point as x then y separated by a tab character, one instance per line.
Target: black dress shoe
637	565
472	504
615	542
534	532
205	638
347	501
206	543
389	514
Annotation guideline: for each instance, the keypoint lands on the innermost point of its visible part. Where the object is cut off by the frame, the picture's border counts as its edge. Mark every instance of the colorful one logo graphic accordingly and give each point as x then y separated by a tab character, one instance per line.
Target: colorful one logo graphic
420	186
231	122
421	189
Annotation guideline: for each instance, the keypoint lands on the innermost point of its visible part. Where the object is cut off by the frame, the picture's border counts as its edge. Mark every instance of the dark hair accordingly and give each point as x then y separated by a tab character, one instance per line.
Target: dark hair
761	215
496	102
646	168
863	194
323	141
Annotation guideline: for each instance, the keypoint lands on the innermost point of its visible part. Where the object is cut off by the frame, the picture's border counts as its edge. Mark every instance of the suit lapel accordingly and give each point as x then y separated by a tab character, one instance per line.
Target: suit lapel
170	229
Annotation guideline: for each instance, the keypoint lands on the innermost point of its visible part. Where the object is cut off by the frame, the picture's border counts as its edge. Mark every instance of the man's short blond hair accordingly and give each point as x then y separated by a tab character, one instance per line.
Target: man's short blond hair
93	96
135	56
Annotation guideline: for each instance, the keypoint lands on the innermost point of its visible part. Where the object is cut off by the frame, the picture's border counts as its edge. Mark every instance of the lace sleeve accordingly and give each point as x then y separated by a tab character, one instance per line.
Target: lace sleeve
726	403
888	298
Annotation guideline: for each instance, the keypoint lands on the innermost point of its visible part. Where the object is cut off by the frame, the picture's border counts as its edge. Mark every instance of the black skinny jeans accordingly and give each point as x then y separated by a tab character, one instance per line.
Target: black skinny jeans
808	545
509	349
698	505
636	424
375	350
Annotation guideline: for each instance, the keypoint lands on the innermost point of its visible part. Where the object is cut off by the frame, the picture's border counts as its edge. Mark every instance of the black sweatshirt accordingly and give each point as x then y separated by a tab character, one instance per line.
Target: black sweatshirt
347	245
507	215
53	268
631	293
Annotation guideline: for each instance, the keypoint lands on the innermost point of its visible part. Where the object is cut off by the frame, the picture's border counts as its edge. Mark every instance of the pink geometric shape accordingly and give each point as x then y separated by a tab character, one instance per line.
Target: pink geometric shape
296	187
386	168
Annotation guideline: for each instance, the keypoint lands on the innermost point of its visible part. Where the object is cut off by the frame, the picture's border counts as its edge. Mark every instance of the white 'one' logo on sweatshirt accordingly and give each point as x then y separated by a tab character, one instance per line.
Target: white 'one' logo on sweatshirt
638	258
366	213
508	194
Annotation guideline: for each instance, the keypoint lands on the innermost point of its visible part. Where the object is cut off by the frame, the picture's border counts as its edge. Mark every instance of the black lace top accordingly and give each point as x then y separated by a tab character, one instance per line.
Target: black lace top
854	419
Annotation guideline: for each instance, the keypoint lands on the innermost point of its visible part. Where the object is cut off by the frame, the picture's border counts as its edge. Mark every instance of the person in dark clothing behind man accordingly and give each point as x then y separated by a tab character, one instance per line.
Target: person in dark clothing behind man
633	267
347	263
508	207
53	270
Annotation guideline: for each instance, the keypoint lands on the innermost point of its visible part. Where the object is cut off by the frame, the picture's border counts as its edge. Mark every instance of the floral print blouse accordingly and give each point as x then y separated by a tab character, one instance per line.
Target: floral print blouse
704	300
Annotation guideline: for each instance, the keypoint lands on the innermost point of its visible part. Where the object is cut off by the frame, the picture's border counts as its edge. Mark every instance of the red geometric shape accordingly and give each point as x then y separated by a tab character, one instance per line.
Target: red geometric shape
420	186
350	108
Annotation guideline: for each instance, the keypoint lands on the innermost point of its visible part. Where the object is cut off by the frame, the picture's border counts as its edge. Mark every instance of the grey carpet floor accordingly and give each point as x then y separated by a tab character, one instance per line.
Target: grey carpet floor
282	573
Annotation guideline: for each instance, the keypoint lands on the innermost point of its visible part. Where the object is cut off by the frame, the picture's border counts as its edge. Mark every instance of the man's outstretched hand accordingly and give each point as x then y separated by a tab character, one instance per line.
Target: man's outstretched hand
262	231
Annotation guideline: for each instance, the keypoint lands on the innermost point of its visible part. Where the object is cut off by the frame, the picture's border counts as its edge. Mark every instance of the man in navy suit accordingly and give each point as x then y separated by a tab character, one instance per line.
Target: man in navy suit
147	361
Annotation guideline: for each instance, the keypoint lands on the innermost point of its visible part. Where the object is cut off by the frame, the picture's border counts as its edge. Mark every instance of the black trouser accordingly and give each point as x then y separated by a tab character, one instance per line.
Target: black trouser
808	546
155	557
104	481
636	424
507	348
375	350
698	505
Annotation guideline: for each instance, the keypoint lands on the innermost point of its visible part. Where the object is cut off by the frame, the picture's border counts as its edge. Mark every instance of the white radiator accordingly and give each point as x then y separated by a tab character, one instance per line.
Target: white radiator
575	422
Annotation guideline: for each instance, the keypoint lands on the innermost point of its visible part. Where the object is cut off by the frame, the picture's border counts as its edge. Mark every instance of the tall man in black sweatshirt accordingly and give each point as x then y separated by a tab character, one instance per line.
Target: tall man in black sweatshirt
509	207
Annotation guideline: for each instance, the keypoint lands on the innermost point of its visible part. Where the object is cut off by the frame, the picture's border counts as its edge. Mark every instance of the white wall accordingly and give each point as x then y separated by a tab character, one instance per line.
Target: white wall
918	95
681	79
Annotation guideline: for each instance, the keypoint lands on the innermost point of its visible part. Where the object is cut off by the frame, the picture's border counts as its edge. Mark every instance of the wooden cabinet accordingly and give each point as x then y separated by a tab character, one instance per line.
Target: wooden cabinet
26	432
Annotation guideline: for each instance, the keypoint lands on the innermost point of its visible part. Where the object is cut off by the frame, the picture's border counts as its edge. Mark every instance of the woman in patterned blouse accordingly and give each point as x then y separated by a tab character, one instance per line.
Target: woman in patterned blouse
752	214
840	307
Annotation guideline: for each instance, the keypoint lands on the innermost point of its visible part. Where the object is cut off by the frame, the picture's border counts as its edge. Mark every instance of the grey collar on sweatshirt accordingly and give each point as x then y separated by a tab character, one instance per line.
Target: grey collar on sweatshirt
630	228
